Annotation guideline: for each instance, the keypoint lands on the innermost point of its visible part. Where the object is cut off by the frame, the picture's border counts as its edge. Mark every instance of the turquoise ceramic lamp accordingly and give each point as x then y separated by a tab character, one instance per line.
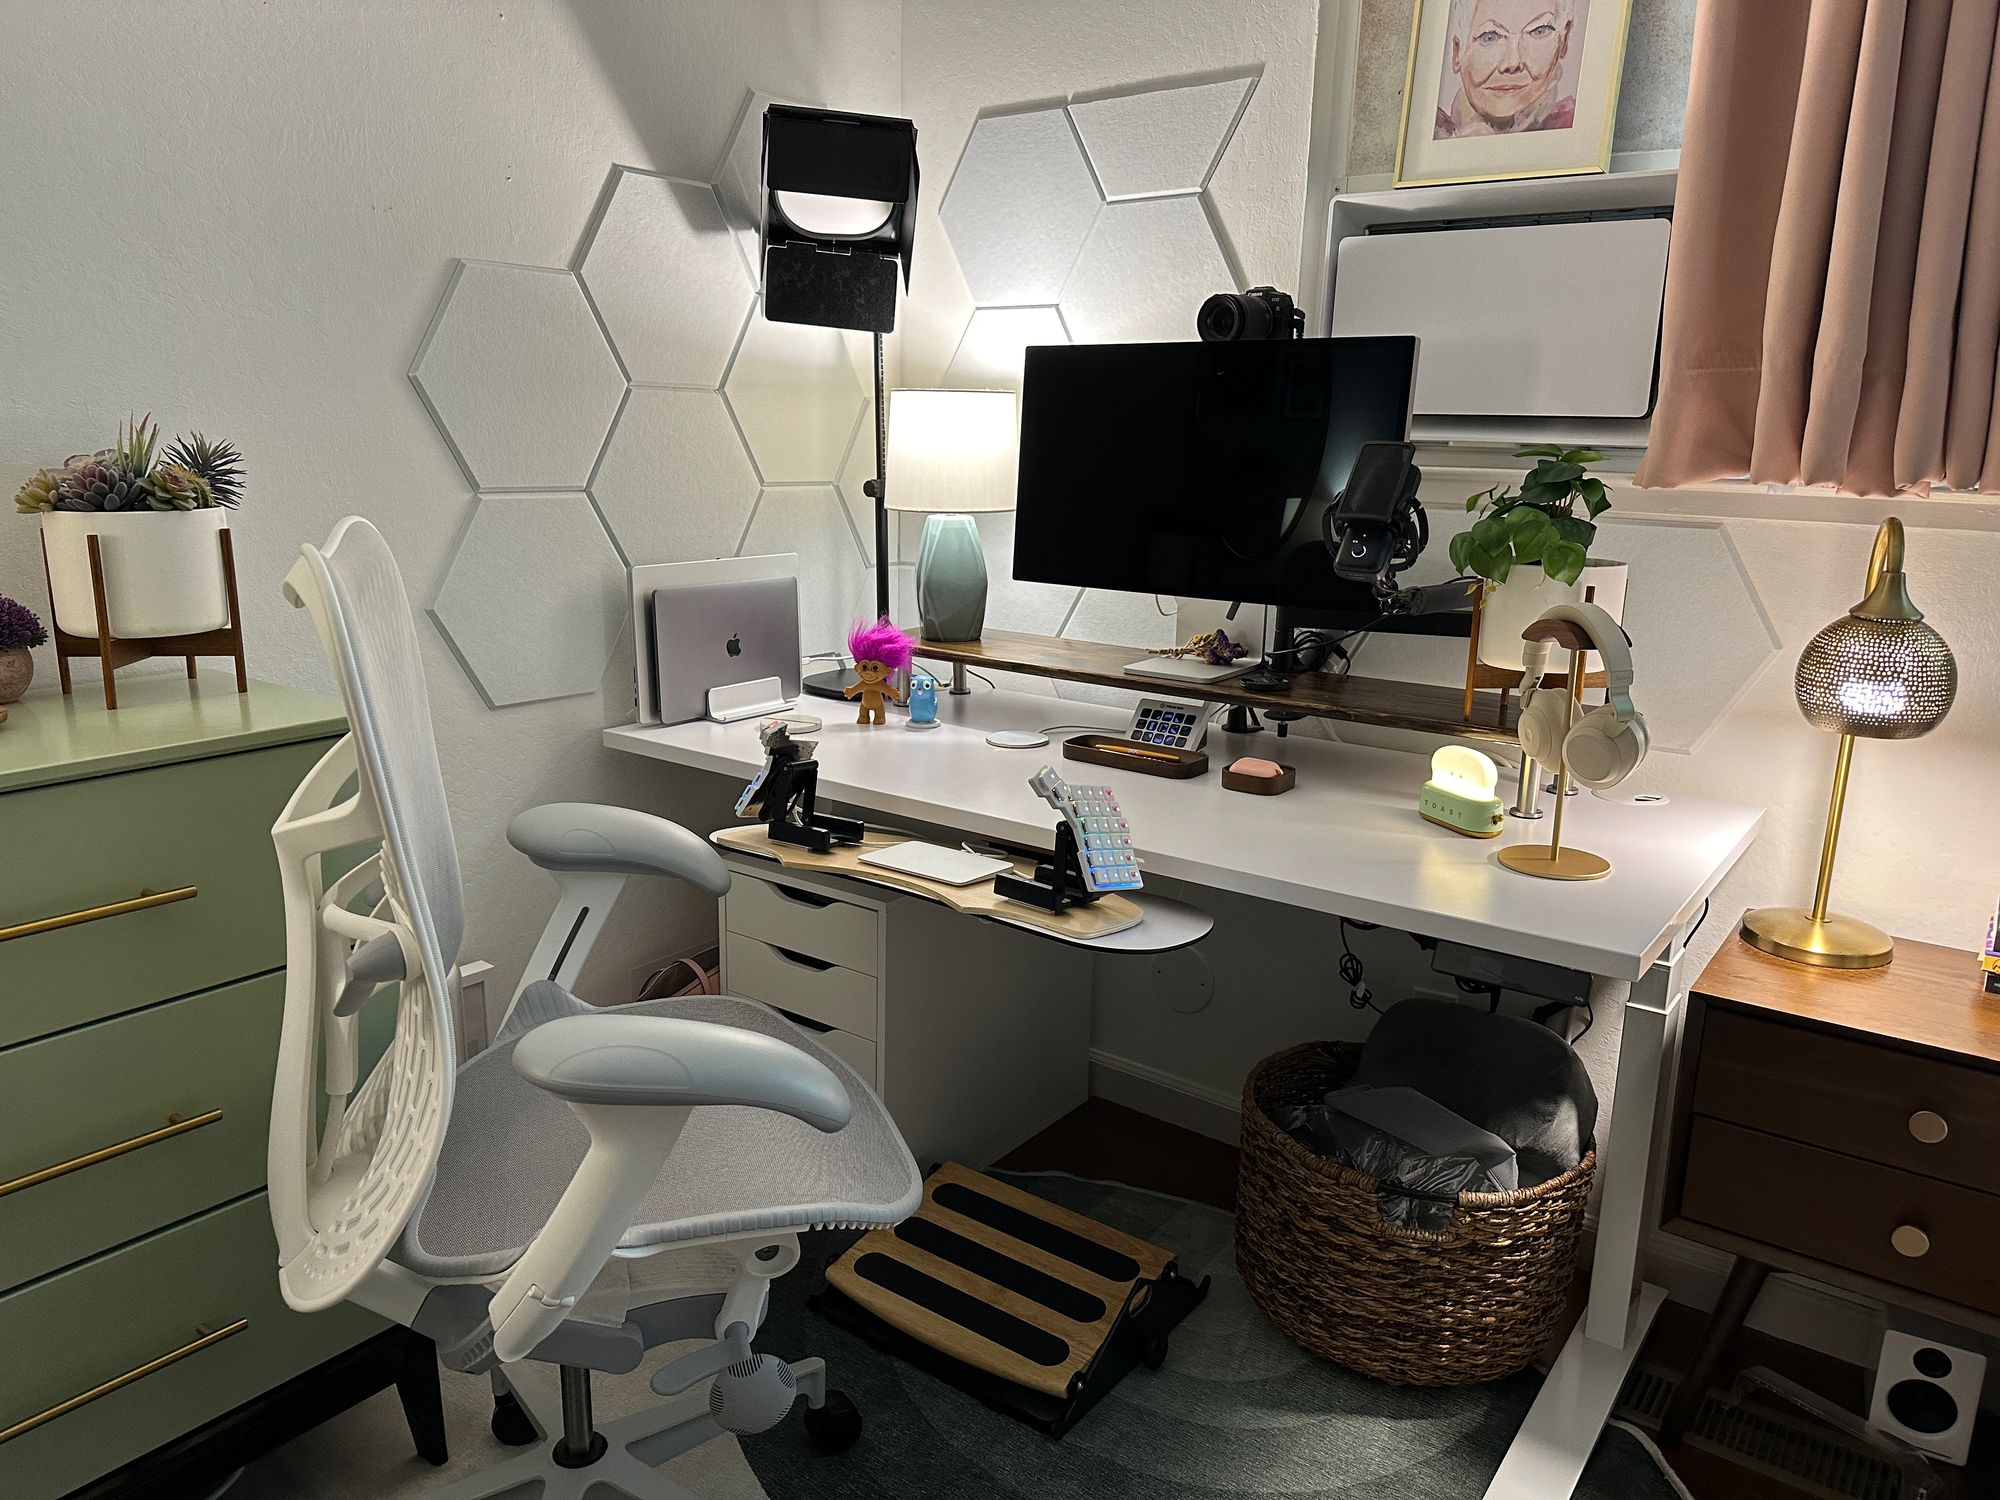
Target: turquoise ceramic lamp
951	454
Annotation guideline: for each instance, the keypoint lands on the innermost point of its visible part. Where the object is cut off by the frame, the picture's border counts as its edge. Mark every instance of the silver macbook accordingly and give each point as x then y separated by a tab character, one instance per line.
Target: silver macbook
710	635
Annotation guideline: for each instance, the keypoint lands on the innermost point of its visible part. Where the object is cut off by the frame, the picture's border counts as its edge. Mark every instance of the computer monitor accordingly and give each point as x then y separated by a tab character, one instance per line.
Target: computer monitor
1204	469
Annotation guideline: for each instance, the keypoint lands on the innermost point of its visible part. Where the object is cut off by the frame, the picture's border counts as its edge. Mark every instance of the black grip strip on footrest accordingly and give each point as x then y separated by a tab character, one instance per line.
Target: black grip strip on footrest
1002	1270
1099	1260
968	1312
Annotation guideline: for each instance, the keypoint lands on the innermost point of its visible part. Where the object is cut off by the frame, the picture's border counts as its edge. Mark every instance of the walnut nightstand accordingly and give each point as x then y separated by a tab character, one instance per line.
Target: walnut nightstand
1843	1125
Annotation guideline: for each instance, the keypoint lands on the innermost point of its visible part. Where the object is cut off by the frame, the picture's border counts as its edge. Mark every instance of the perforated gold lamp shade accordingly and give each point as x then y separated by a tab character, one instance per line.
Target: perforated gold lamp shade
1878	672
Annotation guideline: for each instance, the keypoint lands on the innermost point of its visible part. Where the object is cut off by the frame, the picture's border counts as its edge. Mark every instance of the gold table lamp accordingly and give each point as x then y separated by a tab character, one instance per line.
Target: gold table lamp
1878	672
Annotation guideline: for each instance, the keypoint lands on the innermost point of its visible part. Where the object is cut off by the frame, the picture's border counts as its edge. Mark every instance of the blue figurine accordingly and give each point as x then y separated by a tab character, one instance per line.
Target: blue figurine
923	700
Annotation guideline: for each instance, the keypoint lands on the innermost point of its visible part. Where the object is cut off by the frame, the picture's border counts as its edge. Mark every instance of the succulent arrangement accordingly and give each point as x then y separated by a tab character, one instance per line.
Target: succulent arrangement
195	473
20	628
1538	523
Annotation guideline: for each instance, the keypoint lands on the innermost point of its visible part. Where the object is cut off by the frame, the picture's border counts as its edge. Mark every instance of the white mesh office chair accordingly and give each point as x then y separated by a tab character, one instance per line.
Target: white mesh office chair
494	1207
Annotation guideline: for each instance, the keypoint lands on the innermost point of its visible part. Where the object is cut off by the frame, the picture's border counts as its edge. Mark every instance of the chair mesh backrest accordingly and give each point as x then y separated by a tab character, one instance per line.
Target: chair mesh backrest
382	681
386	1146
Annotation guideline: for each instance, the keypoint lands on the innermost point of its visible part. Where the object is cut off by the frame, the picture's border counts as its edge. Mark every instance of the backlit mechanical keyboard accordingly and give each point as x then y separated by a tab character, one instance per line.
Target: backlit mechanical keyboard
1103	837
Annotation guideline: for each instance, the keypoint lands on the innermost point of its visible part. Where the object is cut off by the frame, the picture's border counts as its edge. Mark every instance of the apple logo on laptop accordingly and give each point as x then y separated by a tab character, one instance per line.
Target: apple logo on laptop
734	645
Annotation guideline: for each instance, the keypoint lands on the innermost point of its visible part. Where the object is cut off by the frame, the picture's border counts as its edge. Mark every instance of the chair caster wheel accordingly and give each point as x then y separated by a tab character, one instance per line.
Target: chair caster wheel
511	1424
834	1427
1153	1352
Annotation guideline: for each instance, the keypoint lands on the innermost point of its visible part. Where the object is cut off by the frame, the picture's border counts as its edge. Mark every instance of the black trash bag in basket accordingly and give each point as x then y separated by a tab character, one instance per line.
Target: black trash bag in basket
1408	1144
1512	1093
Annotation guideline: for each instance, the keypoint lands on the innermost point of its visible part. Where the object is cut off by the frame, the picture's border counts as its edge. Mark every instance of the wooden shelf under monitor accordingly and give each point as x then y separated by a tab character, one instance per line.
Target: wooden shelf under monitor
1420	706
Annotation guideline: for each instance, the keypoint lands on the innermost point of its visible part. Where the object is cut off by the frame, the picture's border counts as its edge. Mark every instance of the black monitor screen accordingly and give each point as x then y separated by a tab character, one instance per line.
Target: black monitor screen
1201	469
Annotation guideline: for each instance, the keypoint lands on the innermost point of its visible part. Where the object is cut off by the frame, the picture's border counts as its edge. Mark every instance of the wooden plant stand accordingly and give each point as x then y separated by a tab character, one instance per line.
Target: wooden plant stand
113	652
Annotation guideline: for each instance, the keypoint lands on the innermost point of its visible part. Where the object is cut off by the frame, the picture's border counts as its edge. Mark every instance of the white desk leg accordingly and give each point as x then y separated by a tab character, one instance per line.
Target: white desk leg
1547	1455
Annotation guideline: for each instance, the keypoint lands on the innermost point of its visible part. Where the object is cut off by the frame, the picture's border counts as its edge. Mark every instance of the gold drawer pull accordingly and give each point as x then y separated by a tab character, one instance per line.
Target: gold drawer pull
1929	1127
176	1125
144	901
205	1338
1911	1242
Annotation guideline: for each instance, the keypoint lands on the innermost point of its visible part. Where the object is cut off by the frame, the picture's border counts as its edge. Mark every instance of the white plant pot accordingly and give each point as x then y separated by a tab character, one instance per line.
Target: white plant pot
162	570
1513	606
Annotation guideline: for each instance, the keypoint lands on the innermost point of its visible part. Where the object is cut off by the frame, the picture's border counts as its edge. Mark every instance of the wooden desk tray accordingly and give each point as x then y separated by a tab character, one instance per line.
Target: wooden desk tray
1102	917
1126	755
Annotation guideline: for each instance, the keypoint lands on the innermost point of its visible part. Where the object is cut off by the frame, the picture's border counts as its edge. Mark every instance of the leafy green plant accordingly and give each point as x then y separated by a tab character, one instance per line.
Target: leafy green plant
1538	523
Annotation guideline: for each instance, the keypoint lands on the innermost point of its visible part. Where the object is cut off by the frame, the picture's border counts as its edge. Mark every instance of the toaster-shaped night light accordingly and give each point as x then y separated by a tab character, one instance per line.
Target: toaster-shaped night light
1459	795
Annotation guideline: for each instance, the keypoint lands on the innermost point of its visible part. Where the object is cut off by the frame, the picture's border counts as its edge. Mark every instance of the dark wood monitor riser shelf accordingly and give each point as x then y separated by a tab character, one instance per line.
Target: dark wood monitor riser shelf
1425	707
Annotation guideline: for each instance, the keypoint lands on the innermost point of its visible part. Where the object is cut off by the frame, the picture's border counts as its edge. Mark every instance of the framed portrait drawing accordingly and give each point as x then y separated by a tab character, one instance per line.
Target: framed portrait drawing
1510	88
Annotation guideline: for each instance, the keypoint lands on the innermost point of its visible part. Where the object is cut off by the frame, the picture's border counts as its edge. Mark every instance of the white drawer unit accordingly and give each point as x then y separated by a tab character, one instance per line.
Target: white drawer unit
806	919
796	982
972	1056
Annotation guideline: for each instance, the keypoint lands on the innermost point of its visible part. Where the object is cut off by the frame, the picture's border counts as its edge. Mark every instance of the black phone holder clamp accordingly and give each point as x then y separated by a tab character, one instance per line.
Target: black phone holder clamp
1057	883
785	795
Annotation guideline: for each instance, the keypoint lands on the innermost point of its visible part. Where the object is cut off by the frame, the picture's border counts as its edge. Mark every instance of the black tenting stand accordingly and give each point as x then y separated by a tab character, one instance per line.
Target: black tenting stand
785	796
1058	881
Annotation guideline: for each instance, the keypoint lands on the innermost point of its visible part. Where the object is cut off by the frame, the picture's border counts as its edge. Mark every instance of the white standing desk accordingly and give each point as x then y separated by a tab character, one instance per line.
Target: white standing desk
1347	841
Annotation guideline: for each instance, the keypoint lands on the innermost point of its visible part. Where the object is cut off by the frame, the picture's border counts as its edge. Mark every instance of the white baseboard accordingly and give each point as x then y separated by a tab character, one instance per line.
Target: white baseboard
1164	1096
1792	1308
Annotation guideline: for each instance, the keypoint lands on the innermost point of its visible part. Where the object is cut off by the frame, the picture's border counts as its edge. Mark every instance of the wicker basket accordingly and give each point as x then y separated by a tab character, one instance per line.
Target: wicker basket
1473	1302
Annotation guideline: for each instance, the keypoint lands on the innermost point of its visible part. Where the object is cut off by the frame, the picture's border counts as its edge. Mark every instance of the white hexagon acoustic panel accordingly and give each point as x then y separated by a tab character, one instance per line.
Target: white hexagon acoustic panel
795	393
1032	608
809	519
1687	584
667	278
1144	272
996	339
534	598
855	472
1163	141
1119	619
675	484
1019	207
518	377
739	181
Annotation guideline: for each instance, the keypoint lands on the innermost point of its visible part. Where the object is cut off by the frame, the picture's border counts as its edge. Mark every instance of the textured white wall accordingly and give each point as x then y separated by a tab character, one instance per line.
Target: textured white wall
241	217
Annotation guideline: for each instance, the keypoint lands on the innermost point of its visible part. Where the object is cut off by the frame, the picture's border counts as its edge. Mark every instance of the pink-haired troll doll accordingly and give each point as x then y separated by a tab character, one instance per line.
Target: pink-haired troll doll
879	649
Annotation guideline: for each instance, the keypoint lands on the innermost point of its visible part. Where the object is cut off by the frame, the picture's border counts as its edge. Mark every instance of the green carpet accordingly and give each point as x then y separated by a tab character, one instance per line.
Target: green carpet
1238	1409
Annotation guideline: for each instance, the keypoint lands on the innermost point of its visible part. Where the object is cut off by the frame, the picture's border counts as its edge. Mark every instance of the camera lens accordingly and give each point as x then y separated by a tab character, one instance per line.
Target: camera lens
1222	317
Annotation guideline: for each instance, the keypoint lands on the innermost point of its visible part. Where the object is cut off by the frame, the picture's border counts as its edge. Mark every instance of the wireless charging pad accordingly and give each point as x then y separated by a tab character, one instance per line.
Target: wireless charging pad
1016	739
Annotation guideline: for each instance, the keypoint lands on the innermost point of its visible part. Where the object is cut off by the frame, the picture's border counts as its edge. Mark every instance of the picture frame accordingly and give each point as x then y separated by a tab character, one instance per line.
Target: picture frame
1499	89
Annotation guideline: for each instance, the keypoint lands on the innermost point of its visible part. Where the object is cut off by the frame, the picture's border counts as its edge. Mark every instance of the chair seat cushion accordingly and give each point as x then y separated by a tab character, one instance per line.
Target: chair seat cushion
511	1149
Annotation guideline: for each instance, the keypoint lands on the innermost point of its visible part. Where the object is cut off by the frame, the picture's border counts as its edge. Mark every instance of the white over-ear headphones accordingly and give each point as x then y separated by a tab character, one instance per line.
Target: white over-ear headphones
1606	743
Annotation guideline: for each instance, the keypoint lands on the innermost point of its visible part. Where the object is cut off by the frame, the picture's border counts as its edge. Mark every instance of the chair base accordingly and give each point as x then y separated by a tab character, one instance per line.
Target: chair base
635	1446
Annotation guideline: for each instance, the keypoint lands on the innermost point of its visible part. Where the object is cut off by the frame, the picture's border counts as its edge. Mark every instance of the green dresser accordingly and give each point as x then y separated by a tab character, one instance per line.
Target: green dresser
141	985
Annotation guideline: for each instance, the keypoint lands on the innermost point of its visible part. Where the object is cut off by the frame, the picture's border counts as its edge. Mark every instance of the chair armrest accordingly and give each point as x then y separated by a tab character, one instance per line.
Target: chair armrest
632	1081
590	838
657	1060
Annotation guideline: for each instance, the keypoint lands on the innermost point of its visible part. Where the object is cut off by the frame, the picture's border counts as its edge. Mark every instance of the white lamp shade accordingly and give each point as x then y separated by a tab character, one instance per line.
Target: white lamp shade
951	451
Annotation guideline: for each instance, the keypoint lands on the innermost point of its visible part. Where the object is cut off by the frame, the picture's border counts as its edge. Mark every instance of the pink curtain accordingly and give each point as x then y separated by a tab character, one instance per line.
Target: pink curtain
1833	295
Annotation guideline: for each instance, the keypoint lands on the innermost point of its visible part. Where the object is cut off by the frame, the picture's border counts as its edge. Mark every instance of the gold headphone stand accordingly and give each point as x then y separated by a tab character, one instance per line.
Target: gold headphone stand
1551	861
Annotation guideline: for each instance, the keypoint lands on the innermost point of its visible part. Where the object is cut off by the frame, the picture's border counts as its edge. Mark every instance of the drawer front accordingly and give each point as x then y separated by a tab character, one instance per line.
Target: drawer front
805	921
1898	1227
845	1045
98	1323
831	995
158	1114
203	826
1938	1118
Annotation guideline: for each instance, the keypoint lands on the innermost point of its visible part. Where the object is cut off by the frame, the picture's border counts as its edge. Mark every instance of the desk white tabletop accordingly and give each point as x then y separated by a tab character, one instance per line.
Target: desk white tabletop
1346	840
